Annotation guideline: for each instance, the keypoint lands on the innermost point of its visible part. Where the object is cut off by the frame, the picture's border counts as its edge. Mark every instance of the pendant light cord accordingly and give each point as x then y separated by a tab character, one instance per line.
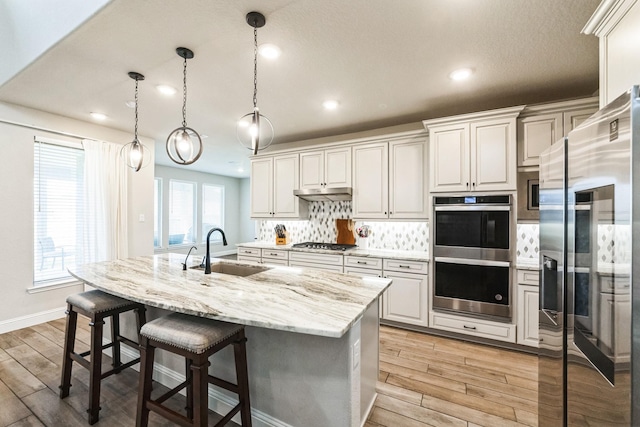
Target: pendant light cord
255	66
135	132
184	94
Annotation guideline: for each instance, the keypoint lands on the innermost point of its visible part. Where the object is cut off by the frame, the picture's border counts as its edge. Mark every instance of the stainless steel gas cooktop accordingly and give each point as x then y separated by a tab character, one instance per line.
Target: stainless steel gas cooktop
324	246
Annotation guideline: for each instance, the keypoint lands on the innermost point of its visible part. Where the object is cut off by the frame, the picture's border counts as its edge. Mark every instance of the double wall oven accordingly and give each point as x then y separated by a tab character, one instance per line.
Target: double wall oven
472	255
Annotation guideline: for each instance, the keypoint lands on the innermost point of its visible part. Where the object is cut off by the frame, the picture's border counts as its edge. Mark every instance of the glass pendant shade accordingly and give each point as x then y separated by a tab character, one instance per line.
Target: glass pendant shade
184	145
135	154
254	131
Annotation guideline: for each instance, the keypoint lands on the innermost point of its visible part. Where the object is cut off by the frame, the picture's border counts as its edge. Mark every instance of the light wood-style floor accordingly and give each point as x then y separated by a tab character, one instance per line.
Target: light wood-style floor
424	381
427	380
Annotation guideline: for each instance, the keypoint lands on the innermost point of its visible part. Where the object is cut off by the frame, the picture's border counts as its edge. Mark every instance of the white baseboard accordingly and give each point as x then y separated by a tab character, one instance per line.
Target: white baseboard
218	402
31	319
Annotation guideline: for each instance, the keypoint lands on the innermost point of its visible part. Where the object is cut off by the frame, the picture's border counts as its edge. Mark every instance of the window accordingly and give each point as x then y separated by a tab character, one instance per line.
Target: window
212	210
58	210
157	212
182	213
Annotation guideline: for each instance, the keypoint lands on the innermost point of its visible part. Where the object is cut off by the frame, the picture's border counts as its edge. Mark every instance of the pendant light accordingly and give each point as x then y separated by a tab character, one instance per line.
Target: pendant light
134	153
254	130
184	145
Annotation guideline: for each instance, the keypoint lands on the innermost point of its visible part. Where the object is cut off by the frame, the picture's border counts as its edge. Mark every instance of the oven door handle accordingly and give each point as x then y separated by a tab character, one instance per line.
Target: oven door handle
458	208
467	261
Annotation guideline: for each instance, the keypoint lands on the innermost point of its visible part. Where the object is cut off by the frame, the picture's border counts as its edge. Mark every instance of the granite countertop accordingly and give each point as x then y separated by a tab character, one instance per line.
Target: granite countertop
376	253
283	298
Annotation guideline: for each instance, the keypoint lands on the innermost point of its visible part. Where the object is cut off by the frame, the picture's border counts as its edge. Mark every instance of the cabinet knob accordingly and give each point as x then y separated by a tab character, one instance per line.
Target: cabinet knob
467	184
474	184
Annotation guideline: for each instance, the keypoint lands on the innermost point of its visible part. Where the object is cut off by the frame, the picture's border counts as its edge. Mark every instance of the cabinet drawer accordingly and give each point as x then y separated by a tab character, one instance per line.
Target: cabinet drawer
249	259
405	266
314	266
274	261
244	251
492	330
275	254
316	258
362	262
528	277
365	272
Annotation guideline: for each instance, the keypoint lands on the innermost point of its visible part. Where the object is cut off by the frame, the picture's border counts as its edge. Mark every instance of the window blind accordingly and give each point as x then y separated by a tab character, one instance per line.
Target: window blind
58	210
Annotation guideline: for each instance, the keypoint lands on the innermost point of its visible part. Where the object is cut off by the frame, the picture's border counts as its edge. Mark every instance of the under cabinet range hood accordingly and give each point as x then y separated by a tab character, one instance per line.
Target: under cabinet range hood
334	194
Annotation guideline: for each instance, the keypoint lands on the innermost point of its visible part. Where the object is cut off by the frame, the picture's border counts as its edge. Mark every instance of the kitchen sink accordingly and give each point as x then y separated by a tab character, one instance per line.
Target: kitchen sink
234	269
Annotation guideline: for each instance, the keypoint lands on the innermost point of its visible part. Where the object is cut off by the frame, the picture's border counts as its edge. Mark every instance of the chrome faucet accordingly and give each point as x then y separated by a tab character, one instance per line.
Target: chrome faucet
184	264
207	262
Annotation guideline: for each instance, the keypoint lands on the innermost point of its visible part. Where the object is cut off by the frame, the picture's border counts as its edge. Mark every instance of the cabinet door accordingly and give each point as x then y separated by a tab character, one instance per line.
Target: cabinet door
406	299
285	180
337	167
371	181
573	119
312	169
261	188
493	155
536	134
408	180
449	158
528	306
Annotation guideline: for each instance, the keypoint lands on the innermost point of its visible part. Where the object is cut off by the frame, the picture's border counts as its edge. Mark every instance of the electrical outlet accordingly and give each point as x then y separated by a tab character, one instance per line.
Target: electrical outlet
141	218
356	354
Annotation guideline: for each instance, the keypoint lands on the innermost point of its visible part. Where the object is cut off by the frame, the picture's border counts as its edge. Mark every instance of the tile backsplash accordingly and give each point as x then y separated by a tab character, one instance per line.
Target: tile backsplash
321	227
528	244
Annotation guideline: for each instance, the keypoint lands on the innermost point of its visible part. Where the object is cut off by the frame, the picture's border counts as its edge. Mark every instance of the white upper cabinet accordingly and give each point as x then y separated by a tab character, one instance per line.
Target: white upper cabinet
390	180
273	180
450	155
473	152
408	193
536	134
539	126
371	181
325	168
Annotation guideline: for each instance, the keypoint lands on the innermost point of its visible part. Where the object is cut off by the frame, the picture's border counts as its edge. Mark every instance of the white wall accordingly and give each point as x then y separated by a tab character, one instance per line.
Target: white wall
236	211
19	308
248	231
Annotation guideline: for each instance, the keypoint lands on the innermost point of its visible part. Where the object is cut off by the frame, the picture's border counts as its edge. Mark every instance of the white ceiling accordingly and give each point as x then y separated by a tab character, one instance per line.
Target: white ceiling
387	62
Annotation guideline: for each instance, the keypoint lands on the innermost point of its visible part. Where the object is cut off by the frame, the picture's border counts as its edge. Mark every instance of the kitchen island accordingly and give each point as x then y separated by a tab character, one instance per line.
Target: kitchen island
312	335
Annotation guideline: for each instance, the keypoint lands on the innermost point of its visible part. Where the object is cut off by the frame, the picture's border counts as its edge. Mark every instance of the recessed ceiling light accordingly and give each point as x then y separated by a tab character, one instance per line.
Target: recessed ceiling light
330	104
204	136
461	74
130	104
98	116
166	90
269	51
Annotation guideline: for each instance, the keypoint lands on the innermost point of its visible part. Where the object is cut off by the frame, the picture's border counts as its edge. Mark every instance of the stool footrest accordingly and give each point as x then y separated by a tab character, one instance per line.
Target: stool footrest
120	368
228	417
171	392
224	384
169	414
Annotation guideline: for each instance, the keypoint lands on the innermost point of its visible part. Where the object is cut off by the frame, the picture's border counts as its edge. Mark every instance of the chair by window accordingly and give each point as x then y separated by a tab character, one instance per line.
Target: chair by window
48	249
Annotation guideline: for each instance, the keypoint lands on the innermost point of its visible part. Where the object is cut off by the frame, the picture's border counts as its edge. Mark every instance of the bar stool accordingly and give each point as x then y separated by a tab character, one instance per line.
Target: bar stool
96	305
196	339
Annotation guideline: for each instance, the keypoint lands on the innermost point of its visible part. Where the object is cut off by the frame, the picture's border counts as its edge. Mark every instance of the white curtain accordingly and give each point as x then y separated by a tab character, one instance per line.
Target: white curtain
105	196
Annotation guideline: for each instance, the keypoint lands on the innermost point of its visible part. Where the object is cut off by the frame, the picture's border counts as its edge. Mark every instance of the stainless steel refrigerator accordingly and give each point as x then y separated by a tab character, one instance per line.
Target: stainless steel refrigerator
589	364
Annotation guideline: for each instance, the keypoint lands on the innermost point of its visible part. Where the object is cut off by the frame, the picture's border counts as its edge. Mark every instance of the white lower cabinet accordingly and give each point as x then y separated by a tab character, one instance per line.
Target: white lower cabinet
247	254
471	326
407	299
326	262
528	305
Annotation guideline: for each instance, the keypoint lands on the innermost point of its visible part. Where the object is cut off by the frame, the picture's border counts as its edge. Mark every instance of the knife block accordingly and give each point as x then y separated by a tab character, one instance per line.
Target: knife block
283	240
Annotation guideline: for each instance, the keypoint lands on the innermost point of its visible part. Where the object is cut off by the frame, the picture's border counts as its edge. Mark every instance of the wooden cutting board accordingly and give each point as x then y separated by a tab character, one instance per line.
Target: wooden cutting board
345	232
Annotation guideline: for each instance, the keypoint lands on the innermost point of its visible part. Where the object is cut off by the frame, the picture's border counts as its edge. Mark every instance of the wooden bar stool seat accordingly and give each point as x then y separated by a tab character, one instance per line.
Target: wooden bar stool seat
196	339
96	305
